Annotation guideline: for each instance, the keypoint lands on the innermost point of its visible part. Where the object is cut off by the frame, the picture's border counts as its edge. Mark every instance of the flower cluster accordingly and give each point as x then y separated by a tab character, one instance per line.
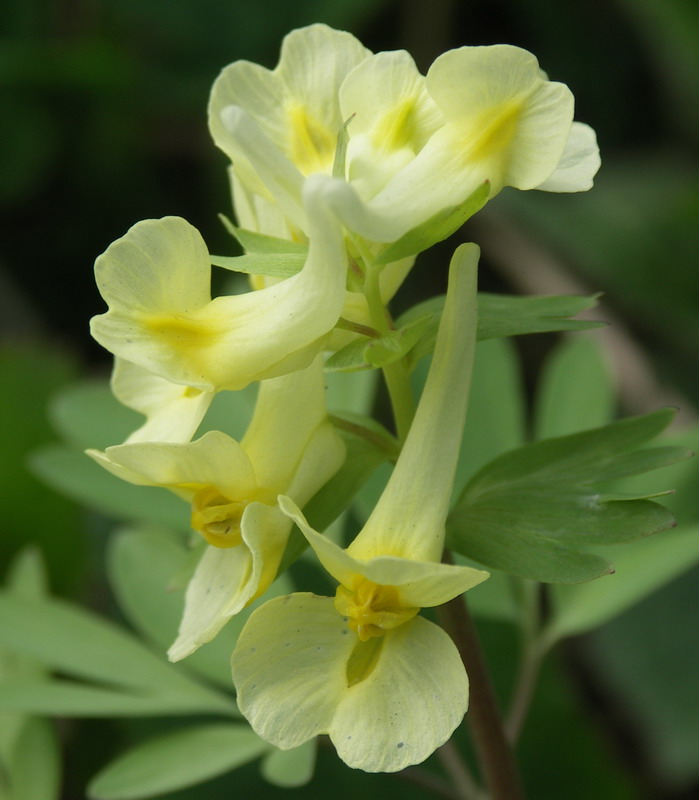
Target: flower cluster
344	166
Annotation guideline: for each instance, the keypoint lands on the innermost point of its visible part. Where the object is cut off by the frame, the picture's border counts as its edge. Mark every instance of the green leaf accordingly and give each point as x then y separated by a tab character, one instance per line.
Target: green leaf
640	570
26	576
376	352
436	229
79	477
75	642
524	509
496	409
61	698
502	315
575	392
262	243
33	767
290	768
350	393
87	414
274	265
175	761
142	564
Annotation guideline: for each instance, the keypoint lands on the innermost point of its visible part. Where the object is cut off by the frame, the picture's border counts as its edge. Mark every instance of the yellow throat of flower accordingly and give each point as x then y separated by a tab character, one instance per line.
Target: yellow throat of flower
217	518
372	609
312	144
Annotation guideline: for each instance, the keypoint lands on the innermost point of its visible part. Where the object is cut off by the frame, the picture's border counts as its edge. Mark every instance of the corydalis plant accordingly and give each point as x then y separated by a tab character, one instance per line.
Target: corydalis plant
306	665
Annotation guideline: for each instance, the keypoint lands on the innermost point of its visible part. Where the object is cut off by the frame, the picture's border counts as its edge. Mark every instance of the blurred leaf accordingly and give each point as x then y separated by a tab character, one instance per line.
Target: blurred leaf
647	658
142	564
62	698
69	639
87	414
230	412
521	512
81	478
496	409
184	758
290	768
29	375
640	570
350	393
575	391
33	767
502	315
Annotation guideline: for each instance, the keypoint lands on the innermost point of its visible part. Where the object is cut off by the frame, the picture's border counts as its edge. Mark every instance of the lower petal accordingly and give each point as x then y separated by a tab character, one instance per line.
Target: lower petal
408	705
290	668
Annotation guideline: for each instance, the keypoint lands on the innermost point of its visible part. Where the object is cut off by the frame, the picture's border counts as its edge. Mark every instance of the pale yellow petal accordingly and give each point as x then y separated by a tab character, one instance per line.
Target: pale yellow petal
228	579
289	668
213	460
420	583
408	705
579	162
230	341
173	411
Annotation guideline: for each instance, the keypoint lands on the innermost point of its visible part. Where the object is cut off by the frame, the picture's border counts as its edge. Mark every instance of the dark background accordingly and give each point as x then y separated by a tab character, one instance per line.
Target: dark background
103	123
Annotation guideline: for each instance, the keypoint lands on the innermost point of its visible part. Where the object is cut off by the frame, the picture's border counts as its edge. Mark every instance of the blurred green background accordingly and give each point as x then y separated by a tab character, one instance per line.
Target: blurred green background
103	123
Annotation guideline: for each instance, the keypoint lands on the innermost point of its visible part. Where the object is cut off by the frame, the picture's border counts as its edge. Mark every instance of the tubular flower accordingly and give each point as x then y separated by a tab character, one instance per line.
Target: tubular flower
290	446
387	685
416	146
156	281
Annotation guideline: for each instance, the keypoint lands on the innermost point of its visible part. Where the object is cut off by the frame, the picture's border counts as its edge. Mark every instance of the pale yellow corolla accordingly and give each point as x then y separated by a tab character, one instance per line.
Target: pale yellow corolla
415	145
290	447
386	684
156	281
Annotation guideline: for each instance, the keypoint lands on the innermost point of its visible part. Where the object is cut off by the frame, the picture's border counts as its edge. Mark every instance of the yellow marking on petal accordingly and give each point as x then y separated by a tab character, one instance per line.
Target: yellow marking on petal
397	129
217	517
362	660
494	131
312	144
183	332
372	609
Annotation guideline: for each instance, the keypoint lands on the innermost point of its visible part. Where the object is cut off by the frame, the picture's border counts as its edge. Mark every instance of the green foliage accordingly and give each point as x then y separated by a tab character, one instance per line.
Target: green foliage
370	353
290	768
504	315
29	751
77	476
575	391
125	677
523	511
176	760
30	511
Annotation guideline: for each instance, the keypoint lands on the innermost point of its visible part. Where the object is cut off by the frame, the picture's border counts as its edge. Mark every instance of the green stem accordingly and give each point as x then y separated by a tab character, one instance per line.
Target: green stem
533	651
395	374
465	786
496	758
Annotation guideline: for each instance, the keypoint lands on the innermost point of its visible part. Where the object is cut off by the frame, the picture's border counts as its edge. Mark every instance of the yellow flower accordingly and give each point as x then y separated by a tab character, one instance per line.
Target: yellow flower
290	446
156	281
387	685
417	145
